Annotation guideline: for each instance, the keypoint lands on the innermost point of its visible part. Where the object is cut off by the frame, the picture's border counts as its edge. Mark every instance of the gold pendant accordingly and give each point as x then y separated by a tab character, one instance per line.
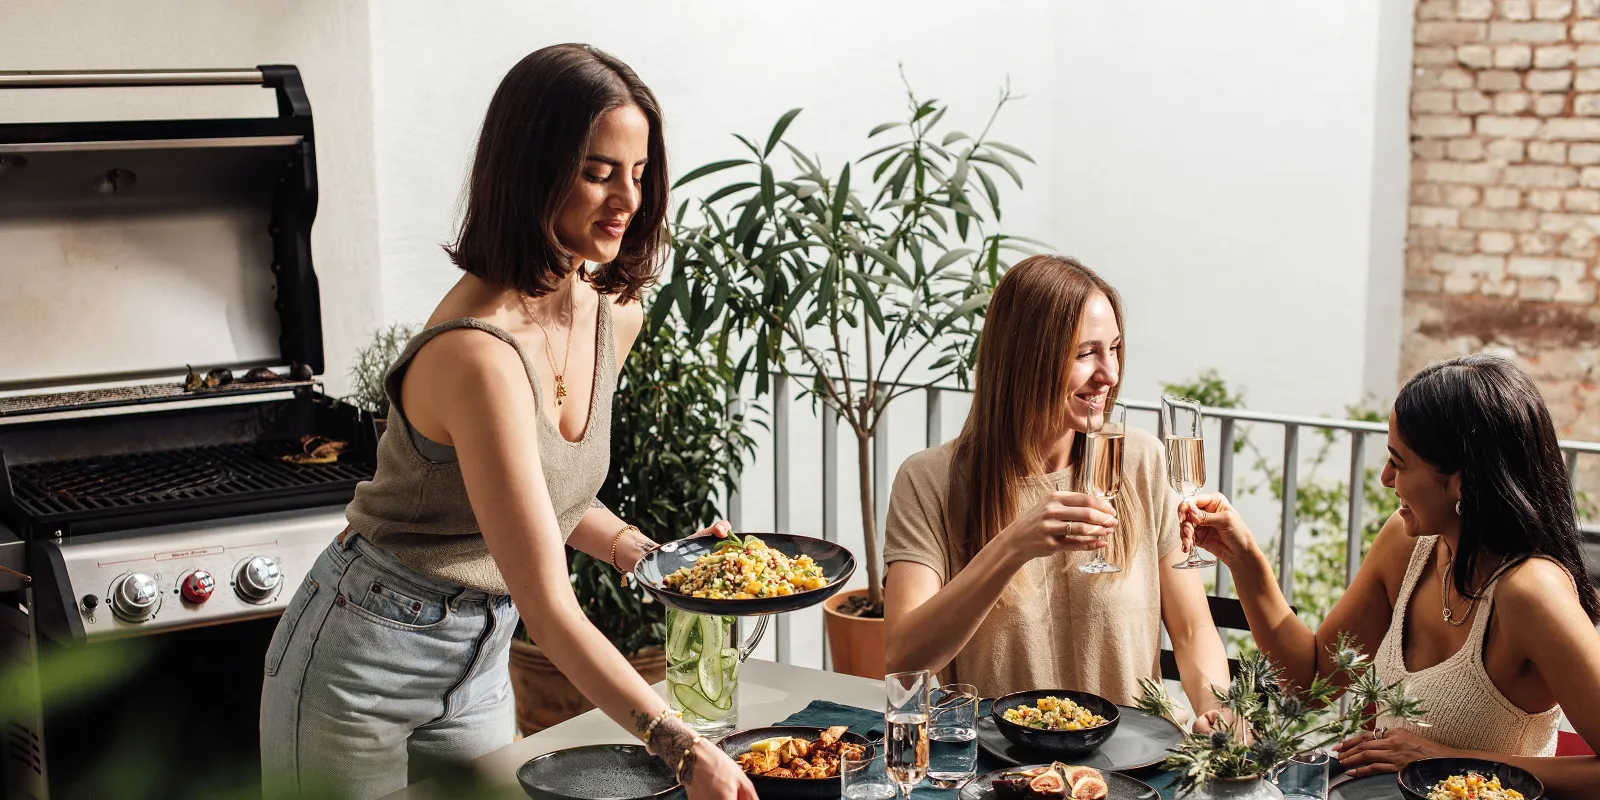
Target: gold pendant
561	390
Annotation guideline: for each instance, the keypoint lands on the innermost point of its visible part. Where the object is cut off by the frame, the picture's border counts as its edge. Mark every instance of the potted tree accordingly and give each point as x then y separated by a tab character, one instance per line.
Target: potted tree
847	286
676	448
372	364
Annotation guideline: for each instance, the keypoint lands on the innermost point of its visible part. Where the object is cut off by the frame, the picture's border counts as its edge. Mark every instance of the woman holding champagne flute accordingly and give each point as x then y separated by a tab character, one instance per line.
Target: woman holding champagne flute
1474	592
988	535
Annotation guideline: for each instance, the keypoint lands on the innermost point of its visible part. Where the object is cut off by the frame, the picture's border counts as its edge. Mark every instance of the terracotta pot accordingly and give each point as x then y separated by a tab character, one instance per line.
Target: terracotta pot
545	696
856	643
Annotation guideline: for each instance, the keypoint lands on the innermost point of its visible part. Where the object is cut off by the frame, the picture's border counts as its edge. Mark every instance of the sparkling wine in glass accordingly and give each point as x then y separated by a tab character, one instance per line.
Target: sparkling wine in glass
1103	468
905	719
1186	459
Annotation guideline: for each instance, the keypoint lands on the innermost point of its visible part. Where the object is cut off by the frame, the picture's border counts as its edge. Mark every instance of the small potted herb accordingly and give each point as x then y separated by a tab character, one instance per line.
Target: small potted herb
372	366
1281	723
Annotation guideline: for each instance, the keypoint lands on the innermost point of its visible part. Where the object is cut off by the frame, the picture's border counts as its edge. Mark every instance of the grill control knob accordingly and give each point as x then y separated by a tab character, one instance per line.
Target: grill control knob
257	579
197	586
135	597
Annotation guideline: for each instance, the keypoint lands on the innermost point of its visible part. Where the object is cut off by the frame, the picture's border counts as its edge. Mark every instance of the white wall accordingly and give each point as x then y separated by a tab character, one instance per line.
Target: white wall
1236	168
327	41
1232	167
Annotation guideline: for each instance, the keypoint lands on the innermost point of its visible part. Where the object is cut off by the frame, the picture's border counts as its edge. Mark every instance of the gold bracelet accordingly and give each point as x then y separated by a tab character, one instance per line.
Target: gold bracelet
657	721
614	541
687	751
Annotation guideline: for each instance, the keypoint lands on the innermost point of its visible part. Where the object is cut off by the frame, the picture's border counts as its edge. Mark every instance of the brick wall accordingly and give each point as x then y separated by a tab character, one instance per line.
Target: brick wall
1504	238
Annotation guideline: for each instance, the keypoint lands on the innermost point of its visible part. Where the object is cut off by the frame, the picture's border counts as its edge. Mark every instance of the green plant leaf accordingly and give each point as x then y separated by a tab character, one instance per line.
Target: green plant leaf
778	129
991	191
732	188
953	137
840	193
1001	162
868	297
887	126
768	193
708	169
1006	148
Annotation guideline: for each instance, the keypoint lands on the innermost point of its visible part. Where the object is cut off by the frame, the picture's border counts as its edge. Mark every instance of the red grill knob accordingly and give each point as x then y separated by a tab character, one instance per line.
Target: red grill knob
197	586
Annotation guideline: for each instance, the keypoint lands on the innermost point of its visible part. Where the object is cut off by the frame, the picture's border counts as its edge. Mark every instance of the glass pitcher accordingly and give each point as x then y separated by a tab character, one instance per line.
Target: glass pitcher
703	661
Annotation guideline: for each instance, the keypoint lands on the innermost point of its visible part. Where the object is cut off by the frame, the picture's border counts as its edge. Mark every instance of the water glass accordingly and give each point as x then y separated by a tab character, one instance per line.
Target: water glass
864	778
905	727
1304	777
953	736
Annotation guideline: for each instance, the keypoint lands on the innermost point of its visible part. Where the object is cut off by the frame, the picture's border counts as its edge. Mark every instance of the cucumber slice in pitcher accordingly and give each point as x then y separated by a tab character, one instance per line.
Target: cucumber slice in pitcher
678	636
695	702
710	663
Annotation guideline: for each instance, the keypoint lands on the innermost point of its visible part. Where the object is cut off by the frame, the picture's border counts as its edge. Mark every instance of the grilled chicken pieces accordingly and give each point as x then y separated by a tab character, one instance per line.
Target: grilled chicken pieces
797	758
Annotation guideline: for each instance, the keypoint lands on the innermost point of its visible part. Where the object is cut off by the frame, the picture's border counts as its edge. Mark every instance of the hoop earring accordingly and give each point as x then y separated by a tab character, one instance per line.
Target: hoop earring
1458	508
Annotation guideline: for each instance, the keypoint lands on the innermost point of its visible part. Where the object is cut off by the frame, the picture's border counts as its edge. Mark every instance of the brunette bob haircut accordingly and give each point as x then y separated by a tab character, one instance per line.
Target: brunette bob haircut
528	158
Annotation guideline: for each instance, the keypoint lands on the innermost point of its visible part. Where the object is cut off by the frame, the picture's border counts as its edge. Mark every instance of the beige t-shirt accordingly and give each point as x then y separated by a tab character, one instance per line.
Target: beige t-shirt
1054	627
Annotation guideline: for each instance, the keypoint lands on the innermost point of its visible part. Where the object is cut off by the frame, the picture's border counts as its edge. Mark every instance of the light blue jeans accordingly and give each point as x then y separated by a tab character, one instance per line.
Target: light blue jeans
376	668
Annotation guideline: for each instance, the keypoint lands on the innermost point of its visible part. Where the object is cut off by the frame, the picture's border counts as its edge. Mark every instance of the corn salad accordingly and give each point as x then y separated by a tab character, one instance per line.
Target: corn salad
1471	786
744	570
1054	714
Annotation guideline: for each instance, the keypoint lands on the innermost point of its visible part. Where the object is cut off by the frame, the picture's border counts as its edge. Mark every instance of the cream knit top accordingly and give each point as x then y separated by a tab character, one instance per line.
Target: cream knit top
1460	702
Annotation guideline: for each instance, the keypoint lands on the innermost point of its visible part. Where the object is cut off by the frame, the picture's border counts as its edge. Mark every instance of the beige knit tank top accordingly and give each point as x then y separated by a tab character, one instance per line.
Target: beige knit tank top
1460	702
416	506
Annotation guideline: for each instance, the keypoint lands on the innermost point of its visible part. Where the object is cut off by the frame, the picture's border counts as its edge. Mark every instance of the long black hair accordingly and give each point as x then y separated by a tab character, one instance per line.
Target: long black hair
1483	417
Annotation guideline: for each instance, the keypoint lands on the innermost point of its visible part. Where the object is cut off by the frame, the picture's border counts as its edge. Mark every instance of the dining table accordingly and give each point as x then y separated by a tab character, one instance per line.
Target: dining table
768	693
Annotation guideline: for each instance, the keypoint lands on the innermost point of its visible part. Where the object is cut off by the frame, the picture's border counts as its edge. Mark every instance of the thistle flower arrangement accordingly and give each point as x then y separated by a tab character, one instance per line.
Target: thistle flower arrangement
1272	725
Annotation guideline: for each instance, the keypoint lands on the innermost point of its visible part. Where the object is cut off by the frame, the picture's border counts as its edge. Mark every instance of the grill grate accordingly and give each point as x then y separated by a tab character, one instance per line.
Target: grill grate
124	481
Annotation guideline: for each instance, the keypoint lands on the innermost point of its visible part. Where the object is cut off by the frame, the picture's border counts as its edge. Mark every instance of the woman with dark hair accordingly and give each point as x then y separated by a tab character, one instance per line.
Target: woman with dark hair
1474	592
394	649
985	533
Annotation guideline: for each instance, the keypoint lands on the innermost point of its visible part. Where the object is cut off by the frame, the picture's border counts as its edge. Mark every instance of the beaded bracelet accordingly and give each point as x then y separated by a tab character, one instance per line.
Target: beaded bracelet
614	541
657	721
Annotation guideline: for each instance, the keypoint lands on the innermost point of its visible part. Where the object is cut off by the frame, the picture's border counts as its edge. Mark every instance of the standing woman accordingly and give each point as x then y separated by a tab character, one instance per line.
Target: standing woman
395	646
985	535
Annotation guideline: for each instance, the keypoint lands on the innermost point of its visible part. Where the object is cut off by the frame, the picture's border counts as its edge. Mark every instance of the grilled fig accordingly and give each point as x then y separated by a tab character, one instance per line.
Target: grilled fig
260	374
300	372
192	381
1090	788
218	377
1049	786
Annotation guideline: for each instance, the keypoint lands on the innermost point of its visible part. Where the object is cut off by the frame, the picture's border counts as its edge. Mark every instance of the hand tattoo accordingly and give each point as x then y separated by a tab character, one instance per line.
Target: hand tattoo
671	738
641	721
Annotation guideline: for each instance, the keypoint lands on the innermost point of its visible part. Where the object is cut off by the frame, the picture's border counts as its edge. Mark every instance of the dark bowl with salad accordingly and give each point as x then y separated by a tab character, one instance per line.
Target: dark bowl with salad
745	575
1058	722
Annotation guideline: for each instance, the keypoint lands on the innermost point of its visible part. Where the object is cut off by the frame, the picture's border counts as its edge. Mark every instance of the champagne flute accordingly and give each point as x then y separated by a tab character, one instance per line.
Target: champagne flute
905	719
1102	466
1186	459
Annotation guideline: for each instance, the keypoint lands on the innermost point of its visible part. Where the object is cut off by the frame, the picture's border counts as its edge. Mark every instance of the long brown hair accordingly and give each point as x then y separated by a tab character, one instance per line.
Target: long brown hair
1020	398
529	153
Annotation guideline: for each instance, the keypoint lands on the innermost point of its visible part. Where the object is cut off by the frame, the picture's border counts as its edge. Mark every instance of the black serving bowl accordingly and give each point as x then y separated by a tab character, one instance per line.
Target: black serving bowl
1419	776
623	771
737	744
1062	743
836	562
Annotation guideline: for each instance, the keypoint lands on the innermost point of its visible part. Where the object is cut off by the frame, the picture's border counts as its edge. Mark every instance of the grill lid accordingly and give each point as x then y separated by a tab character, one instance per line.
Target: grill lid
135	250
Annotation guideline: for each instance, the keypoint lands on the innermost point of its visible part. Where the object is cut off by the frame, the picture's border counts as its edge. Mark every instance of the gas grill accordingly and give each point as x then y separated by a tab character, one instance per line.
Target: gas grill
154	481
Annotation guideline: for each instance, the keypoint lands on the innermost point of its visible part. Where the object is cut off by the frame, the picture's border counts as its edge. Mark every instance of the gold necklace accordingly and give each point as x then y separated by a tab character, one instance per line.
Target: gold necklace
1444	591
561	384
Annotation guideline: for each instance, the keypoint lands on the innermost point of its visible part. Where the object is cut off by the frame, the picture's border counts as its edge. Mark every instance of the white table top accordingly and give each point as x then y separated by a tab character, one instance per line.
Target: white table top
768	692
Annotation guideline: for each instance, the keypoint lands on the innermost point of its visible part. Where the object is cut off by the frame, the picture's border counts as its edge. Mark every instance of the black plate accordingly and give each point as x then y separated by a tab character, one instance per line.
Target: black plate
1141	740
1383	786
1420	775
1119	787
836	562
1059	744
737	744
620	771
